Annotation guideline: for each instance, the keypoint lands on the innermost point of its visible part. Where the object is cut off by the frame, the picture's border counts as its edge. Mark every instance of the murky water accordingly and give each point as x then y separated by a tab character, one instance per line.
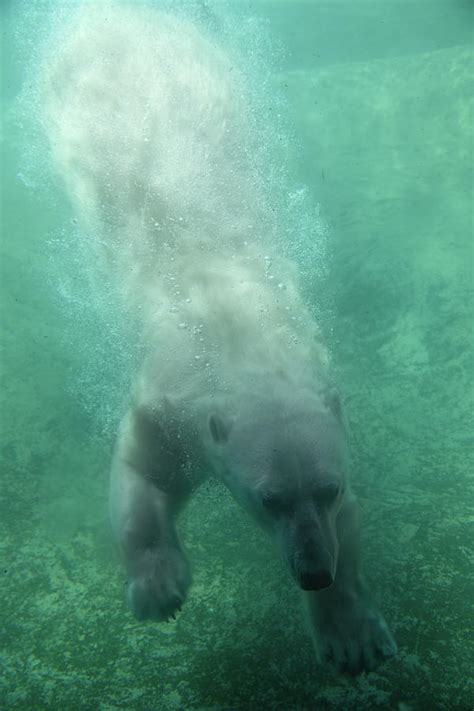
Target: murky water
375	100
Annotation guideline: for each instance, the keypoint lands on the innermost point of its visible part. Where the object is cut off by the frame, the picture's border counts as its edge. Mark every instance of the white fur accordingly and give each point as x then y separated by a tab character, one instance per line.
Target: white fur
151	129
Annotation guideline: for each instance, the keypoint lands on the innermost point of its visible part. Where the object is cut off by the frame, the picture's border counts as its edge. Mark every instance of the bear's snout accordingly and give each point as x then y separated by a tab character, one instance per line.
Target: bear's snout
316	581
312	549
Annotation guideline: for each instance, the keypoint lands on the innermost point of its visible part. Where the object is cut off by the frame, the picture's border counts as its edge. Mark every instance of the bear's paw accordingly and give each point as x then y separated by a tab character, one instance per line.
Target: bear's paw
159	586
353	637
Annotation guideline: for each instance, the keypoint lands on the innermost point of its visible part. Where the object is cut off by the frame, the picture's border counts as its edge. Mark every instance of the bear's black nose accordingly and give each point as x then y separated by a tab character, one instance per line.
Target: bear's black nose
315	581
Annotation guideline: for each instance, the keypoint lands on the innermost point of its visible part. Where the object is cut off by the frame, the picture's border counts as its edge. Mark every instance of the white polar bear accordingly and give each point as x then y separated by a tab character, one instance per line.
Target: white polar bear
149	127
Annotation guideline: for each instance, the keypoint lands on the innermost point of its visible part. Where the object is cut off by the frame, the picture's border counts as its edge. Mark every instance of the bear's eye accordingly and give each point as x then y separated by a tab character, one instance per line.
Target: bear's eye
273	503
328	494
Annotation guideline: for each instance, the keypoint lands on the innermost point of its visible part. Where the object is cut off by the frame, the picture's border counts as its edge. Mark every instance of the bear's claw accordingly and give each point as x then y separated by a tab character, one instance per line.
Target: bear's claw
158	590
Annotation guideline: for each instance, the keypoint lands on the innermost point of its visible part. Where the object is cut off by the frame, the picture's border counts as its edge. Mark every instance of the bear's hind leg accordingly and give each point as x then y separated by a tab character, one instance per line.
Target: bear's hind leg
350	633
150	483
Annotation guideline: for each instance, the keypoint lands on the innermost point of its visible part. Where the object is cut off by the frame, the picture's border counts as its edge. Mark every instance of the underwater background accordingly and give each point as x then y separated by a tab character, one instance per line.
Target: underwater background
379	97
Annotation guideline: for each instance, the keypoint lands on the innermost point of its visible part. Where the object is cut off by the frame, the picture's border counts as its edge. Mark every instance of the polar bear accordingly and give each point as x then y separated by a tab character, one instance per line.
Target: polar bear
150	130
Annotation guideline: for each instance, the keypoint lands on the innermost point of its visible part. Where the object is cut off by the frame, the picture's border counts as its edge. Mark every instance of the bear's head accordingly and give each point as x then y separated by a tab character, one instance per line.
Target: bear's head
286	462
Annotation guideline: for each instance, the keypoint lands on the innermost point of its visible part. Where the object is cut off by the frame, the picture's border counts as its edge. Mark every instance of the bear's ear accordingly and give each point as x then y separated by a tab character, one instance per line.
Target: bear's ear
219	428
332	400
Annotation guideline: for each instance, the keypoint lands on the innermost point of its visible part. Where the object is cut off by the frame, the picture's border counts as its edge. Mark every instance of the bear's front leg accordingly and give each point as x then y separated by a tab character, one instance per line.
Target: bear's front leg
149	485
349	632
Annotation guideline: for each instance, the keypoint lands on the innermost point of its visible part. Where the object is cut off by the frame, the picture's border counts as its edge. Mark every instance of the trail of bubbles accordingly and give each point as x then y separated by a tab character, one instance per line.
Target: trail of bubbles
293	227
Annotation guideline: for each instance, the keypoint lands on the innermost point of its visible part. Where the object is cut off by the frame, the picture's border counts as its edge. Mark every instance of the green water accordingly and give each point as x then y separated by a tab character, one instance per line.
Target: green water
381	99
